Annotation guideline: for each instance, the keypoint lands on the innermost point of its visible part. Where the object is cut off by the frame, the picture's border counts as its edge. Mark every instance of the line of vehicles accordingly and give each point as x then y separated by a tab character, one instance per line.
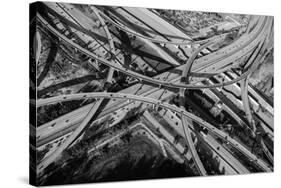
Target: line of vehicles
96	37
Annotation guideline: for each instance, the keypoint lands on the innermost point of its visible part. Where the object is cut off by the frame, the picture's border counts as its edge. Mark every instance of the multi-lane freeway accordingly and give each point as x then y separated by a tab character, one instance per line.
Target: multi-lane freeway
221	75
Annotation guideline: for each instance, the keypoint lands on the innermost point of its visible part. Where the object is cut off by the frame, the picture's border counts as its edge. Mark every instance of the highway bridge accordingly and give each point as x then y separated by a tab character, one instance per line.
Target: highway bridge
133	42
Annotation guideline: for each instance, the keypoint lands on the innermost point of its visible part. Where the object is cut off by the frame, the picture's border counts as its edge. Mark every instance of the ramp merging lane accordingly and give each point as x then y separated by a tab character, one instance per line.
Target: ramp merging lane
170	81
138	76
174	108
258	33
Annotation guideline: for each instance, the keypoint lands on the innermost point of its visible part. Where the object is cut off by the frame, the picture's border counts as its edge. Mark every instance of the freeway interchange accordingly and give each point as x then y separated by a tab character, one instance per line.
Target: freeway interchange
184	89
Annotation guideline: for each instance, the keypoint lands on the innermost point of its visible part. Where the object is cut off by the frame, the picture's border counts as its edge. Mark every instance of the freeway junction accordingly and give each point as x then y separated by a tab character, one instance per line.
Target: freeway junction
99	67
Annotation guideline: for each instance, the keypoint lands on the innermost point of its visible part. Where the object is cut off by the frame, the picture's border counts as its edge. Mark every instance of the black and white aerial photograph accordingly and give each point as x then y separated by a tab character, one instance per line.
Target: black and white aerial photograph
133	93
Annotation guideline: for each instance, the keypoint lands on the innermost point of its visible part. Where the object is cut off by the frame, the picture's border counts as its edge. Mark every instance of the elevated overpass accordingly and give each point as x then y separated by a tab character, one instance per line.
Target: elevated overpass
153	90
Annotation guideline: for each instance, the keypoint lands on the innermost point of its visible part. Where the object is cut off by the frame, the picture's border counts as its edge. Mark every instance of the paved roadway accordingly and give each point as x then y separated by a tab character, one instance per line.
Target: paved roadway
125	70
164	75
141	77
174	108
227	162
110	41
75	134
109	63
